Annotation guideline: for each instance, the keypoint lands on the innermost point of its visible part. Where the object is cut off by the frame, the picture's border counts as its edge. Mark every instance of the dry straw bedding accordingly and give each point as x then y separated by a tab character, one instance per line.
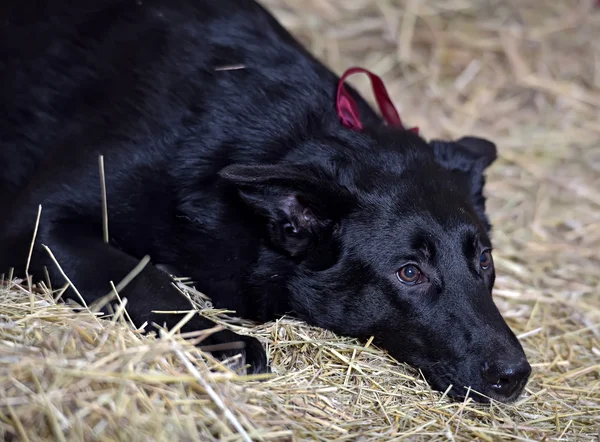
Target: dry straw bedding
524	73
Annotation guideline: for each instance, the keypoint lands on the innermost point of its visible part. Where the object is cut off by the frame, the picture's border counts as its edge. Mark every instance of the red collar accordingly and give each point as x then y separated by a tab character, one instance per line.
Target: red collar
347	108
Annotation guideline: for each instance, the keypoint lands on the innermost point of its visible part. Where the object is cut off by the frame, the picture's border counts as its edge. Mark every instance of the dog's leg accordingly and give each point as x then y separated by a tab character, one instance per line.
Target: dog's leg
91	264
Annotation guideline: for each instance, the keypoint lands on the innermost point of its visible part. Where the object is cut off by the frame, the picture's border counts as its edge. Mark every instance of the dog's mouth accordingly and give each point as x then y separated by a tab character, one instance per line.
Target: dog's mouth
478	390
486	397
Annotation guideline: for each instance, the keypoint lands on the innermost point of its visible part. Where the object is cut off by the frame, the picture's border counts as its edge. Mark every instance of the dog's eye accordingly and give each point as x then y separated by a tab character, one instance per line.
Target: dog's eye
485	259
410	274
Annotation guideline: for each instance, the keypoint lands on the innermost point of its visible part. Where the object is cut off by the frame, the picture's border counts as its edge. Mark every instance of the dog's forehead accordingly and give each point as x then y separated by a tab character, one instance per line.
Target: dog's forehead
429	191
386	238
415	208
416	220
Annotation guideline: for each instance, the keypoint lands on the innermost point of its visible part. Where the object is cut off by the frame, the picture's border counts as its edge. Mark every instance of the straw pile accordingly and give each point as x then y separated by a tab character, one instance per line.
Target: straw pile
524	73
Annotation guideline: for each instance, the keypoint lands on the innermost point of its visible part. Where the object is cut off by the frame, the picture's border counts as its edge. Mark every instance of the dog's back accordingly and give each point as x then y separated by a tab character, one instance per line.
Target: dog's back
94	70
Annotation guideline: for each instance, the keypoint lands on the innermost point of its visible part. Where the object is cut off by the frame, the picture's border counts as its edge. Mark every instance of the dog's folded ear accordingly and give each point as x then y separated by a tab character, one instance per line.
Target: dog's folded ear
300	202
465	154
484	150
469	155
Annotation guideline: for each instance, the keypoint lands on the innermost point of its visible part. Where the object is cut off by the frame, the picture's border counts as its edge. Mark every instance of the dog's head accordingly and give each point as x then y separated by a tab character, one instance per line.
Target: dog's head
394	243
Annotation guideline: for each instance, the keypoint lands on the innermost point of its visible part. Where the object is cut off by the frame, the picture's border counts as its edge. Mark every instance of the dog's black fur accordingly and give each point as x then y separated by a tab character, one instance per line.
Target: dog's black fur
244	180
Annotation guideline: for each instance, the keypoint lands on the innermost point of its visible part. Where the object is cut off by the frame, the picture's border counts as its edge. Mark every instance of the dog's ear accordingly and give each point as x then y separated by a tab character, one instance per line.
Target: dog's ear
301	203
472	156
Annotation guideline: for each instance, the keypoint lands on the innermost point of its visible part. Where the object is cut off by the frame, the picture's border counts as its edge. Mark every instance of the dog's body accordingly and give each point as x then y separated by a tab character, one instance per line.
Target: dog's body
225	160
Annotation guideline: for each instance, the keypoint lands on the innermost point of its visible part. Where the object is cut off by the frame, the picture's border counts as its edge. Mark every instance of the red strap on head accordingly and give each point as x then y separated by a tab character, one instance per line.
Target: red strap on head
347	108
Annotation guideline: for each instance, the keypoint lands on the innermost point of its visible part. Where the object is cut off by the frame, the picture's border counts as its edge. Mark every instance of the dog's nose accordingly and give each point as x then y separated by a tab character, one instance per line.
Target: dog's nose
505	377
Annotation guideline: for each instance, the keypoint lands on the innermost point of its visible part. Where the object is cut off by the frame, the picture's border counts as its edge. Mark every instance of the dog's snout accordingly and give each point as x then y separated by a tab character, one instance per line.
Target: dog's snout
506	377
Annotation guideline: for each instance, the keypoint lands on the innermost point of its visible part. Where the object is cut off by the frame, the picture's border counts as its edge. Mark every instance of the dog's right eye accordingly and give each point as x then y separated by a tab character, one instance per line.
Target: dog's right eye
410	274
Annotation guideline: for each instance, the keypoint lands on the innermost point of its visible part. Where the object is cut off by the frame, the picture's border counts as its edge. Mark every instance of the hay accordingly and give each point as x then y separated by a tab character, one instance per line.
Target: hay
524	73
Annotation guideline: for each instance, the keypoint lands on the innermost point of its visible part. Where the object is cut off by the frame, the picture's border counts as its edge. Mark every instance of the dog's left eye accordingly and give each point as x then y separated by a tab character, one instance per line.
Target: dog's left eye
485	259
410	274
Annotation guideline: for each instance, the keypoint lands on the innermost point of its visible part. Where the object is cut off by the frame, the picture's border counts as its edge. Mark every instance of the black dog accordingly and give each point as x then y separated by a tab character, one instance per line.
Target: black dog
227	159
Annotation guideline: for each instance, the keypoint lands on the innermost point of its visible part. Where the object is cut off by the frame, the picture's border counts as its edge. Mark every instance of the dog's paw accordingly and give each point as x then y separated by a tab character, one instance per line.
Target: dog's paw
255	356
250	349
